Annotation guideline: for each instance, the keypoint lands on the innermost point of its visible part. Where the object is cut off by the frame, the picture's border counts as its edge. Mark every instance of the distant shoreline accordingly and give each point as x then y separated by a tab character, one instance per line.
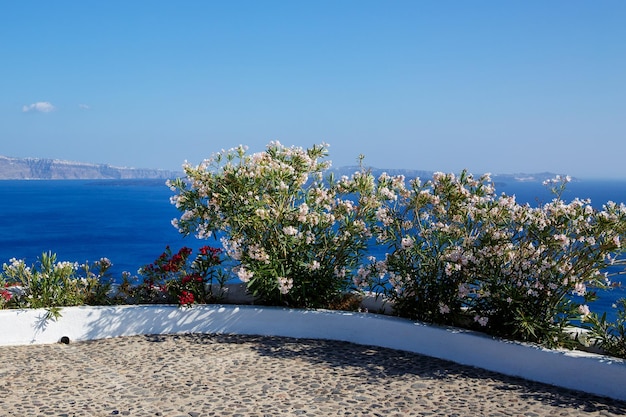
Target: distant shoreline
54	169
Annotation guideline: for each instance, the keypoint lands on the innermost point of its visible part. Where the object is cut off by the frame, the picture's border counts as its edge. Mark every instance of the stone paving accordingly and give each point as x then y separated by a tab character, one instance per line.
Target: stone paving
232	375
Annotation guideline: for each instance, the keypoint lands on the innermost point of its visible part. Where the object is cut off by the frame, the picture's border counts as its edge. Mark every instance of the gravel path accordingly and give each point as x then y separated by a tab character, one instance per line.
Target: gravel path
232	375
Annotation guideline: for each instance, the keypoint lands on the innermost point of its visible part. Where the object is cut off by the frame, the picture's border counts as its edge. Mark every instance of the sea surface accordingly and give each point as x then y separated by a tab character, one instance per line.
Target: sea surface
129	221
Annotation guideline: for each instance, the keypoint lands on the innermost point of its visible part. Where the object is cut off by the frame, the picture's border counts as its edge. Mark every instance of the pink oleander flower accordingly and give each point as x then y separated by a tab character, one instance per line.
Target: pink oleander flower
290	230
314	266
463	290
407	242
340	272
481	320
584	311
580	289
243	274
284	284
303	210
562	239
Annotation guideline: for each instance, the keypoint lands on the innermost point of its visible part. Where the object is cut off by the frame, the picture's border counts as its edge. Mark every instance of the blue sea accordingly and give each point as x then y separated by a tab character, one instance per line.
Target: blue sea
129	221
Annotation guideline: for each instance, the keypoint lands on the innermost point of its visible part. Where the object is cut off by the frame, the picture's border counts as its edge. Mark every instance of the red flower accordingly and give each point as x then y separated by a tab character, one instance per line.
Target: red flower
6	295
208	250
186	298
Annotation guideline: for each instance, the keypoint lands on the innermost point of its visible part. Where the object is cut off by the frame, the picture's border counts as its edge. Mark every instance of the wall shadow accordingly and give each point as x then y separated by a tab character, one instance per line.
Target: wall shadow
372	363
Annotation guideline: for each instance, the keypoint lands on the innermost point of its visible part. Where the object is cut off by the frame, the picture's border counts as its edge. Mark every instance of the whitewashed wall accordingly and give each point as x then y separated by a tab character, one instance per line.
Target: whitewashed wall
570	369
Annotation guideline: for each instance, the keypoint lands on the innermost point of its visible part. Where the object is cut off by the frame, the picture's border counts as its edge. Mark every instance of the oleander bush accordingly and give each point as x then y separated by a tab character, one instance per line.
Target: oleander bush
460	254
296	237
423	228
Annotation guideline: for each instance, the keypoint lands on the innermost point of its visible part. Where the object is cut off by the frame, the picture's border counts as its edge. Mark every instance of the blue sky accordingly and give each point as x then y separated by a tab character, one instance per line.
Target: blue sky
488	86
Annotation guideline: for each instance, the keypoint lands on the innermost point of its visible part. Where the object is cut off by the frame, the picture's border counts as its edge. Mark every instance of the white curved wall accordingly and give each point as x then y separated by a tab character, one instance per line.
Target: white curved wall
570	369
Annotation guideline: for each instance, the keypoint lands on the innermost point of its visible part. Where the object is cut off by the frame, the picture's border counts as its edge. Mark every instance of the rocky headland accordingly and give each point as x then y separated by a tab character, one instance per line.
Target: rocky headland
55	169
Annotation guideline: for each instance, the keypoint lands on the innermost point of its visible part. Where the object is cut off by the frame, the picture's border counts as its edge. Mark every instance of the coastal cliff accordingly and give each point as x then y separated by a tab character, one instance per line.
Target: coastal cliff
54	169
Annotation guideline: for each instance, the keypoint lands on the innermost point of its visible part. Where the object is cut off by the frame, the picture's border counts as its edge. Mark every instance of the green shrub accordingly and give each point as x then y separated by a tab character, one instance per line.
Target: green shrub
178	278
296	239
462	255
610	337
50	284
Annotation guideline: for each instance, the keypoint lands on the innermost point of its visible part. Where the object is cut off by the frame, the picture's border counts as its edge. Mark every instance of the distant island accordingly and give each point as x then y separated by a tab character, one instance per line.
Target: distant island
55	169
499	179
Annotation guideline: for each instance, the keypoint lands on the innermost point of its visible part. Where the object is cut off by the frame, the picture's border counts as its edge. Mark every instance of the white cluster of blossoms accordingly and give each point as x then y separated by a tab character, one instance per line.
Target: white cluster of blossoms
16	266
284	284
66	266
558	180
243	274
232	248
407	242
290	231
257	252
383	216
314	266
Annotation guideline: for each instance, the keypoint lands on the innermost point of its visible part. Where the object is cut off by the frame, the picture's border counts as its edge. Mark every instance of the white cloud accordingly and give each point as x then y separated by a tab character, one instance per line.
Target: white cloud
84	106
40	106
